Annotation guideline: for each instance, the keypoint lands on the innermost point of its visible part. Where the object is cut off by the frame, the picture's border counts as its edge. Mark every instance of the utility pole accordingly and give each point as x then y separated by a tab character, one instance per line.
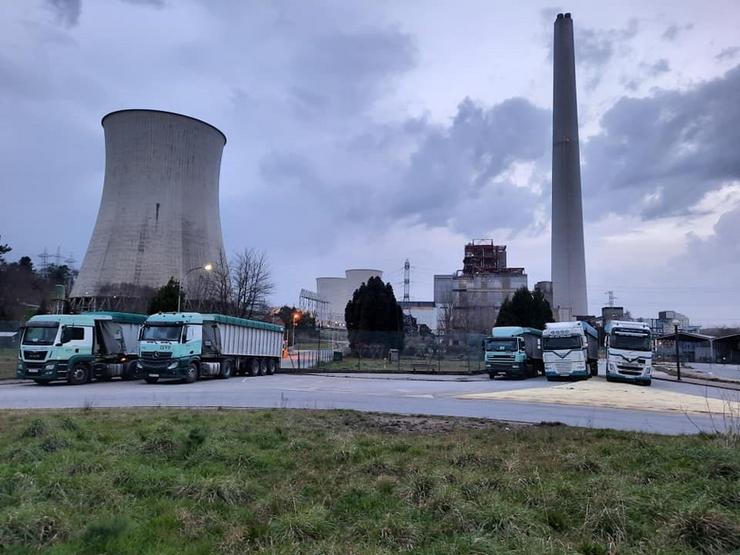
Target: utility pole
406	281
678	357
612	298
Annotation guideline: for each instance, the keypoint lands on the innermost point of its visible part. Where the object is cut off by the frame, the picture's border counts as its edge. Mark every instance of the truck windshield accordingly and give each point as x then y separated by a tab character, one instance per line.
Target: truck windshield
630	342
40	335
557	343
161	333
501	344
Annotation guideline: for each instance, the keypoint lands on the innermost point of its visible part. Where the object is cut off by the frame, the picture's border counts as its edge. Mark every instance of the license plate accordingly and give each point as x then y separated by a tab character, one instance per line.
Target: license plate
153	375
33	371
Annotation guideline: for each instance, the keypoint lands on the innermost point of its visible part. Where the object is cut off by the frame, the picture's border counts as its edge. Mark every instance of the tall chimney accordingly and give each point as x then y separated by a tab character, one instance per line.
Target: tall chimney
568	258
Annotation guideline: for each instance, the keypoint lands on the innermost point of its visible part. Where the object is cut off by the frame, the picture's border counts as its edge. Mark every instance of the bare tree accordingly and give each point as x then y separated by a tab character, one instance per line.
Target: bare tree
251	283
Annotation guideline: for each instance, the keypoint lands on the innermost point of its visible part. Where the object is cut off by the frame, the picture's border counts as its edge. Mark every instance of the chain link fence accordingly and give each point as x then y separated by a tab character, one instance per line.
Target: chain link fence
9	339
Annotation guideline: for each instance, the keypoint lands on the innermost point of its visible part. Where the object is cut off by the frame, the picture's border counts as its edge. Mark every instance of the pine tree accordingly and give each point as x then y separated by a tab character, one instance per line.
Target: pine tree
165	299
374	317
525	309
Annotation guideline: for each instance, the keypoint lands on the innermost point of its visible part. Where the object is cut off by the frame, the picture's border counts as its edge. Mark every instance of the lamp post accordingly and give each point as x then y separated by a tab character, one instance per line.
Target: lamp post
678	358
207	267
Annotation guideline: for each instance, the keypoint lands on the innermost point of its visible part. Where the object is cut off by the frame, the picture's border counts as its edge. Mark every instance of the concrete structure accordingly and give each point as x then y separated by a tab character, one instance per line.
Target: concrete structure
568	258
609	313
692	347
469	300
663	324
545	287
159	213
337	291
727	348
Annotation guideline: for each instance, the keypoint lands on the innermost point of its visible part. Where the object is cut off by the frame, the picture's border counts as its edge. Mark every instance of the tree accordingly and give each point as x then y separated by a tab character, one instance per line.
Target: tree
251	283
165	299
4	249
525	309
374	318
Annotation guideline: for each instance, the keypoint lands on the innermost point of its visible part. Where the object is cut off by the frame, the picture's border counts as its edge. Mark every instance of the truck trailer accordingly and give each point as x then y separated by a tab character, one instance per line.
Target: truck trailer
570	349
189	345
514	351
79	347
629	354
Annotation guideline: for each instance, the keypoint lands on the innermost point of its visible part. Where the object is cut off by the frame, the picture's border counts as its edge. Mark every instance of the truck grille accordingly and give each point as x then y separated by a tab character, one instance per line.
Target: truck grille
34	355
156	355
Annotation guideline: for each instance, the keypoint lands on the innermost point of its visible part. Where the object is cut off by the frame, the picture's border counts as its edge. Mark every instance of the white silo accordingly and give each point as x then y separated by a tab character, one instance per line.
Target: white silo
358	276
159	213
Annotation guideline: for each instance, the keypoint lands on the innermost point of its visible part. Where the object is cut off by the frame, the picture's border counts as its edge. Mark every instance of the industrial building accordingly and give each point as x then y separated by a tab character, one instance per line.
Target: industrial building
469	300
568	258
424	312
159	213
335	292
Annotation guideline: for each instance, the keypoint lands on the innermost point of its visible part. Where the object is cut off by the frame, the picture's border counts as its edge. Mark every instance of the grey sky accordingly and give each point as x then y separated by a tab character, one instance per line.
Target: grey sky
363	133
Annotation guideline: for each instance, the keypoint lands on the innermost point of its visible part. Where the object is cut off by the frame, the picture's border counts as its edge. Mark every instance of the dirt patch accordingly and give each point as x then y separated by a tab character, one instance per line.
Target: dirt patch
399	424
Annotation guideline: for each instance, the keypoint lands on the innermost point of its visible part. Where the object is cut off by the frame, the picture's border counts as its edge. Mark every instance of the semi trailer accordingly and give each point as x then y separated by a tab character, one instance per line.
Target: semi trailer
629	353
570	349
514	351
189	346
79	347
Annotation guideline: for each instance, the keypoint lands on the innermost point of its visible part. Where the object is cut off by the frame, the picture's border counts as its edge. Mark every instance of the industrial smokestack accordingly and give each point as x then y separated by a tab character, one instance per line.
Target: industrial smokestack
568	258
159	213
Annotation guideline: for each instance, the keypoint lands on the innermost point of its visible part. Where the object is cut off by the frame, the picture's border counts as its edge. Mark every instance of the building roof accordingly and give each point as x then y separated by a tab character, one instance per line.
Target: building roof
687	336
728	338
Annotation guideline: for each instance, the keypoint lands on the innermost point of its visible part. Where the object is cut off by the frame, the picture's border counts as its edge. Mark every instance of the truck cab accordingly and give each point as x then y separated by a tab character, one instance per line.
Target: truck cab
629	352
171	345
513	351
78	347
570	350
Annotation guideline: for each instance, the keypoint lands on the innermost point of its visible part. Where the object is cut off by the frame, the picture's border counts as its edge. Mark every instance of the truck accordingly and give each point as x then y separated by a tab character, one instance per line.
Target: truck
629	354
514	351
188	346
570	349
79	347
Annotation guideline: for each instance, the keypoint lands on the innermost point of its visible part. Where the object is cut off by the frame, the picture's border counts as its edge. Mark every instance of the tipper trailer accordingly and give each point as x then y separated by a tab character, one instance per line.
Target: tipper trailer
570	349
514	351
190	345
629	354
79	347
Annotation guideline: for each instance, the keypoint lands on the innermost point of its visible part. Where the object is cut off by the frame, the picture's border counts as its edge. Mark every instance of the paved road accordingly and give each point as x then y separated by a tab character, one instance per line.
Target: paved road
405	394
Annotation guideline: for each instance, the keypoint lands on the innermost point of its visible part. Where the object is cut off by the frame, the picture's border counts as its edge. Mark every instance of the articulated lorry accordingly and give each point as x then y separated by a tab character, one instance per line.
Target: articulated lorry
629	354
514	351
189	345
570	349
79	347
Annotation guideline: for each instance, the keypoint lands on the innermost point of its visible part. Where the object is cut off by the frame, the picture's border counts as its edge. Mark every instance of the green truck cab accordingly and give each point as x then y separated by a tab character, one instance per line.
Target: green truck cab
514	351
190	345
79	347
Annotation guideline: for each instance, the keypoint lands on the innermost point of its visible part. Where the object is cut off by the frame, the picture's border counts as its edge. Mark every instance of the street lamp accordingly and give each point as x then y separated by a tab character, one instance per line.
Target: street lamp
678	358
207	267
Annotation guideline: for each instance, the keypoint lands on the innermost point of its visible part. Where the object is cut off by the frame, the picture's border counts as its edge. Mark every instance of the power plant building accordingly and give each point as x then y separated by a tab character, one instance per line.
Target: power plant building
159	213
568	257
470	299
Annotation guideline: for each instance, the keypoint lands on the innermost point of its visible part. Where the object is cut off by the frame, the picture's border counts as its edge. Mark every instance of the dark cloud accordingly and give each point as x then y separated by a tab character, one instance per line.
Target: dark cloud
66	11
659	155
729	53
658	67
674	30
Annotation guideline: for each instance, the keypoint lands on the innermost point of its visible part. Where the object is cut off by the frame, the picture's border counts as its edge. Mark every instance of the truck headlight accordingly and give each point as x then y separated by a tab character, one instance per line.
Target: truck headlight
49	367
139	364
172	365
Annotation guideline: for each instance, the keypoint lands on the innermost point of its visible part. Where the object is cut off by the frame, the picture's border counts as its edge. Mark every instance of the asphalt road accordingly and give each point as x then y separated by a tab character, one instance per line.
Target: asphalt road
403	394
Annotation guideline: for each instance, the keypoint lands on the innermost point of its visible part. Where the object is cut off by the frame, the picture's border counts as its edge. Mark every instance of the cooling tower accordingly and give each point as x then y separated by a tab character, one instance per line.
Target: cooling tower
357	277
568	259
334	290
159	213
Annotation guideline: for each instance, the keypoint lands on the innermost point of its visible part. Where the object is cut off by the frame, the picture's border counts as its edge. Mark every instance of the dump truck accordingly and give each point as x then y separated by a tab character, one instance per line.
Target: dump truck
570	349
629	353
79	347
189	345
514	351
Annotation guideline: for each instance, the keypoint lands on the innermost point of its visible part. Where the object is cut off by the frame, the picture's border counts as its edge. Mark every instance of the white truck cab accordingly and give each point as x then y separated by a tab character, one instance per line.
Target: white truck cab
629	354
570	350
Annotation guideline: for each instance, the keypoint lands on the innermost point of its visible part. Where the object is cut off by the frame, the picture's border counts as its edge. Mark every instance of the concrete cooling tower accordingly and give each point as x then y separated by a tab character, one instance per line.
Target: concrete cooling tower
338	291
159	213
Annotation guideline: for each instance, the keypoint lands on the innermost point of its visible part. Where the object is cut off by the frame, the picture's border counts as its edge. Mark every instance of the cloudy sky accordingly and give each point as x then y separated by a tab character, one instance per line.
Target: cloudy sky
364	133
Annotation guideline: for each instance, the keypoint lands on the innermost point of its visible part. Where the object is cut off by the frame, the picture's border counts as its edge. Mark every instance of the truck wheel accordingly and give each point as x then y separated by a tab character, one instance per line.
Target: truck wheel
151	379
270	367
227	367
192	373
595	368
260	367
130	371
491	376
251	369
78	375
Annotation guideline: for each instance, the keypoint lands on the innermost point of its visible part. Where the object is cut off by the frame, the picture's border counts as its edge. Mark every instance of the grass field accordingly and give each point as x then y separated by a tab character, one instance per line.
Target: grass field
184	482
8	359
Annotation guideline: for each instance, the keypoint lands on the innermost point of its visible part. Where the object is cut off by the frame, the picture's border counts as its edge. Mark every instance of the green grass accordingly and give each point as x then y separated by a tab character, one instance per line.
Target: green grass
283	482
8	360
